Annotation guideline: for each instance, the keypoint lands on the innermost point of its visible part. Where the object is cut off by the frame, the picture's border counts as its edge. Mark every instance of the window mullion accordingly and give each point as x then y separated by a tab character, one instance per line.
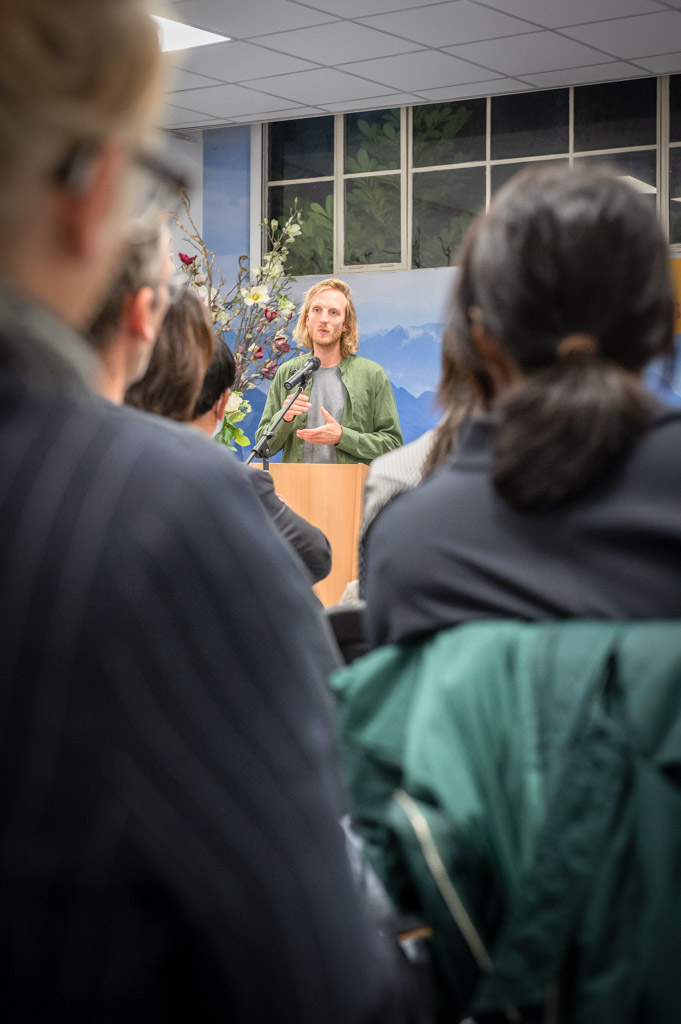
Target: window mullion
663	198
488	152
405	185
338	192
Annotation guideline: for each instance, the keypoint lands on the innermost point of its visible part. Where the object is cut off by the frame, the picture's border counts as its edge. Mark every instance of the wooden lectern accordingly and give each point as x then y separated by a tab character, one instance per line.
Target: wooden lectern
331	498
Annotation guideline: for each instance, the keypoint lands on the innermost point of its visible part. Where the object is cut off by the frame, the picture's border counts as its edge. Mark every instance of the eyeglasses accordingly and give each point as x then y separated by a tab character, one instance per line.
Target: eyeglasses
158	188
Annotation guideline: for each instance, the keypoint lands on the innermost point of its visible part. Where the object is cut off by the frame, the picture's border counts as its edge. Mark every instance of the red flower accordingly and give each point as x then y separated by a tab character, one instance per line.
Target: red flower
259	352
270	314
187	260
282	345
269	369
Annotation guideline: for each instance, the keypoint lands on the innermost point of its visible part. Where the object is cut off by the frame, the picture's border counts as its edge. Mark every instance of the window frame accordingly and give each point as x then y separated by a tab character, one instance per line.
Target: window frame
661	147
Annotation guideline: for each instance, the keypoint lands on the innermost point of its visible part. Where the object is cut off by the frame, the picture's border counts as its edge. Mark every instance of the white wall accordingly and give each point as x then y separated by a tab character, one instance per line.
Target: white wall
187	148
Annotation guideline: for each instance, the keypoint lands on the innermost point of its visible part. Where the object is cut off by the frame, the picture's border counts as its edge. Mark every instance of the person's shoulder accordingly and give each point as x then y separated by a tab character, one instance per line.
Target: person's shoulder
405	462
163	457
661	442
368	367
261	480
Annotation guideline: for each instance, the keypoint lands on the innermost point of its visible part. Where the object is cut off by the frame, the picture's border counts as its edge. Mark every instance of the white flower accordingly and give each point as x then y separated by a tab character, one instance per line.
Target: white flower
233	402
294	230
202	293
256	293
200	278
275	268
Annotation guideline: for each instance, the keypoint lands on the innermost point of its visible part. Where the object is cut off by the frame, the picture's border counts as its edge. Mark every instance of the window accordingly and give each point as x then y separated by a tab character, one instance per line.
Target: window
397	188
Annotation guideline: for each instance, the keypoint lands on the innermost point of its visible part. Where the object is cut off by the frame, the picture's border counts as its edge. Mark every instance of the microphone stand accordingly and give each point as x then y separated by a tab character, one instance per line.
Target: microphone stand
261	449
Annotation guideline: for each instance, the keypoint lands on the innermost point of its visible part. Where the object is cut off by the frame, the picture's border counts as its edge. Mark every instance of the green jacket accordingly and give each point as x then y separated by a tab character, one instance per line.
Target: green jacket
531	771
370	422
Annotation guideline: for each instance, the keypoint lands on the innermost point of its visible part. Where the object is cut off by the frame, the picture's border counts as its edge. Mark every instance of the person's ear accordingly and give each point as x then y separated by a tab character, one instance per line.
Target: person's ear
221	404
142	315
91	208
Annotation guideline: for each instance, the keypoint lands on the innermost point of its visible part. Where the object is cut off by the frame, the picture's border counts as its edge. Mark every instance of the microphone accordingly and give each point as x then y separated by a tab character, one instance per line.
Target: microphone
303	375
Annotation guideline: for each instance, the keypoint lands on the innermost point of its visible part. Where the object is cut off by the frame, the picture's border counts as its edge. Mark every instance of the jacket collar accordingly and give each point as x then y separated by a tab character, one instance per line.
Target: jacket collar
38	345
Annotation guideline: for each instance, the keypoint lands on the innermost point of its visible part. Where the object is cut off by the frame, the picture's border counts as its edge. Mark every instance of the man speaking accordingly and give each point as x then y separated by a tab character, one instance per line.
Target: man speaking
347	412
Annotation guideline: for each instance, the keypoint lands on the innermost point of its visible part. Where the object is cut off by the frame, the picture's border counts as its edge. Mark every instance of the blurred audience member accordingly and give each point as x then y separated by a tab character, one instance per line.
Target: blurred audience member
308	541
169	838
179	360
124	331
561	499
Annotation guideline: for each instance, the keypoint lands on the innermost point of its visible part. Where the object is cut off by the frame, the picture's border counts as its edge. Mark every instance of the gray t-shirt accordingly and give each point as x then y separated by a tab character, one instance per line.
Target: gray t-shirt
328	390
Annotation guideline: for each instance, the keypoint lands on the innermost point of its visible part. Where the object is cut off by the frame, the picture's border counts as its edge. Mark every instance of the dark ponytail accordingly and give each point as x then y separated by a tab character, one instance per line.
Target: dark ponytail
563	254
563	428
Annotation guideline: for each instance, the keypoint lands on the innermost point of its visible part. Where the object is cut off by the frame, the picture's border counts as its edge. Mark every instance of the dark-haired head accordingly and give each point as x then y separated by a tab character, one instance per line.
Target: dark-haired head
563	296
219	378
179	361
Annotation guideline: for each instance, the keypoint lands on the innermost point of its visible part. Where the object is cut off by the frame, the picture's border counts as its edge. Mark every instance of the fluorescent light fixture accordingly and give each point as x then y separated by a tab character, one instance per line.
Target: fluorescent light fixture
176	36
640	186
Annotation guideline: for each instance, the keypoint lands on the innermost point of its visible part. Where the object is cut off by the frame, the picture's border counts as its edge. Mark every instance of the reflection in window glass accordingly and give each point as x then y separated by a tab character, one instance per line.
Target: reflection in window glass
530	124
616	114
449	133
675	196
372	220
372	141
675	108
445	203
640	169
301	149
312	250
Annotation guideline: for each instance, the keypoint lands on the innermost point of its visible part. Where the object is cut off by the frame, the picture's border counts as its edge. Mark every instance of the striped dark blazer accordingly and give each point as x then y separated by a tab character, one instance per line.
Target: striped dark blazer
168	785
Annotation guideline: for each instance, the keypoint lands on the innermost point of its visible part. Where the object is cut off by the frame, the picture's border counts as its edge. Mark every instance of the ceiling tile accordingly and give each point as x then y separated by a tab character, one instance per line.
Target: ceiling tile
447	24
325	85
528	54
254	18
359	8
338	43
557	13
469	92
669	64
180	79
235	62
418	71
229	101
612	72
633	37
393	99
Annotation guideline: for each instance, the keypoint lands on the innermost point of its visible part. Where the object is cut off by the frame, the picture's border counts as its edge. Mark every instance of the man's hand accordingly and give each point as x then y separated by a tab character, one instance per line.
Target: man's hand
330	433
297	408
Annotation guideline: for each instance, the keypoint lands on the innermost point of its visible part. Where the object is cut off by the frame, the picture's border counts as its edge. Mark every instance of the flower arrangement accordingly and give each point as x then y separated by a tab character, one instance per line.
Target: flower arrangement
255	316
230	433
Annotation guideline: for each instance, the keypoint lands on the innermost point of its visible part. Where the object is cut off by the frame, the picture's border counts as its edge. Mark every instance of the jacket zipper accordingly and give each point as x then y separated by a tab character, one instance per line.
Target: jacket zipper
447	890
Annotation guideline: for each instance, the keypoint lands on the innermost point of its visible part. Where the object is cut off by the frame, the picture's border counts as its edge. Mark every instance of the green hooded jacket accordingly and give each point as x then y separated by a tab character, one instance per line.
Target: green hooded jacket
519	787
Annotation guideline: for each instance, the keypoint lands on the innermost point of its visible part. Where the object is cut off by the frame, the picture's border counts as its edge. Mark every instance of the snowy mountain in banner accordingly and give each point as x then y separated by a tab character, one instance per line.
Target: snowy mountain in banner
409	355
